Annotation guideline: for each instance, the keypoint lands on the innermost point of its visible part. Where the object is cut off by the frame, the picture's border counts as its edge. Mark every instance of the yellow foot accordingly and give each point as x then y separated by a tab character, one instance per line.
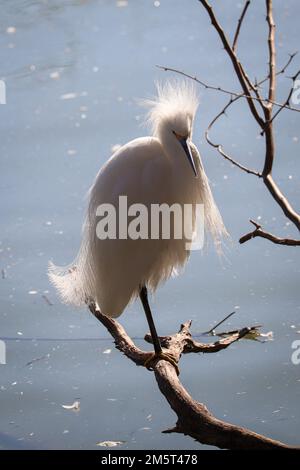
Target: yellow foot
165	356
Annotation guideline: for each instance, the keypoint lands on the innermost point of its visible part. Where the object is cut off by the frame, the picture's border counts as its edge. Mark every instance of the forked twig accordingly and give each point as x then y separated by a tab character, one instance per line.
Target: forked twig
259	232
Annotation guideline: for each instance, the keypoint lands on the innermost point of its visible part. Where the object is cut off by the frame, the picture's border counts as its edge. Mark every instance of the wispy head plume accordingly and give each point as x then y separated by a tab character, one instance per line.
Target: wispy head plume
173	97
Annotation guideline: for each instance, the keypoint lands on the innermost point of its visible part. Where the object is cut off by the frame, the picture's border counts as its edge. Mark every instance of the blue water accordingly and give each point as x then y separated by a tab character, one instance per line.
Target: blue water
73	70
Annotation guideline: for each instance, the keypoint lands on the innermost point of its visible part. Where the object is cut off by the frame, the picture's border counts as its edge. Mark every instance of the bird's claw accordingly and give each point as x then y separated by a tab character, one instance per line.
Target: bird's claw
161	356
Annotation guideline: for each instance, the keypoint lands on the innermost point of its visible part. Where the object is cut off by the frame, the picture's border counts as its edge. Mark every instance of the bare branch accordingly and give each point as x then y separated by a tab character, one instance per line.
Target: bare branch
272	52
286	103
226	91
282	200
239	70
122	341
259	232
281	71
219	147
268	180
240	21
193	418
196	347
268	127
266	123
202	83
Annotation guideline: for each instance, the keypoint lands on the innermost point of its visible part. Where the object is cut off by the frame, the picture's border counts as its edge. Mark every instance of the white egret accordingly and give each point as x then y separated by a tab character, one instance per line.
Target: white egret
162	169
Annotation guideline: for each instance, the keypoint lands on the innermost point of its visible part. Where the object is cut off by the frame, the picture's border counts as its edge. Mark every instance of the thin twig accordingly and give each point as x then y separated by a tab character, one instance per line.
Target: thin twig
212	332
240	21
239	70
219	147
224	90
252	86
281	71
285	104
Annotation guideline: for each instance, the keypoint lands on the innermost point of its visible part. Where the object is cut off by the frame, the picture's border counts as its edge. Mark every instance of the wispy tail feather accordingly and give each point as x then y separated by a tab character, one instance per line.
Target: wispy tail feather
75	283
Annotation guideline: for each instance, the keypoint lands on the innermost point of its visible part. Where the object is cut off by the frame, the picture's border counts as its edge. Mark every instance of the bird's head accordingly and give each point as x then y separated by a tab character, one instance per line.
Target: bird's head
182	132
171	115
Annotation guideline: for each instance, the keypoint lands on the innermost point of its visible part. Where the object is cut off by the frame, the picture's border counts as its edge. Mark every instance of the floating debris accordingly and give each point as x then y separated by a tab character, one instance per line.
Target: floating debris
74	407
68	96
11	30
107	351
255	335
55	75
122	3
110	443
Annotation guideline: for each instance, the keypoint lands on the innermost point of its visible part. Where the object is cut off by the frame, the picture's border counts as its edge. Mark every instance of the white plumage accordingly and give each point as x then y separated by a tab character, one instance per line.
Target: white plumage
147	170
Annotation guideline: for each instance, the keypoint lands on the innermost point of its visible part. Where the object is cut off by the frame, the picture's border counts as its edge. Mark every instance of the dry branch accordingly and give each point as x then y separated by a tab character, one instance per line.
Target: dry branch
267	125
208	86
193	418
279	72
220	148
286	102
251	92
240	21
259	232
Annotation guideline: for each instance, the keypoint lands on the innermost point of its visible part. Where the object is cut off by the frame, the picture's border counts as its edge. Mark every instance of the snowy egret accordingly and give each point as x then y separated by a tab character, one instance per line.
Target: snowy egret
165	168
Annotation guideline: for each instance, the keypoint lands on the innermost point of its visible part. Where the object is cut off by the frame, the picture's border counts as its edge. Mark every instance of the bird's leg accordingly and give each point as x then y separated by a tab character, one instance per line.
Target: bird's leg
158	354
155	338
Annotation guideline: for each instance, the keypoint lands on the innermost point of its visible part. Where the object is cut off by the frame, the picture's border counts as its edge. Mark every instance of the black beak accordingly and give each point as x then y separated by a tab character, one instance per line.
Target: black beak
188	153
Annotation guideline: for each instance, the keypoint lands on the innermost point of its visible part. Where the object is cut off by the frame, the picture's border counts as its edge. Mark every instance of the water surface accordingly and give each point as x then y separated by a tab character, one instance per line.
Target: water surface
73	71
